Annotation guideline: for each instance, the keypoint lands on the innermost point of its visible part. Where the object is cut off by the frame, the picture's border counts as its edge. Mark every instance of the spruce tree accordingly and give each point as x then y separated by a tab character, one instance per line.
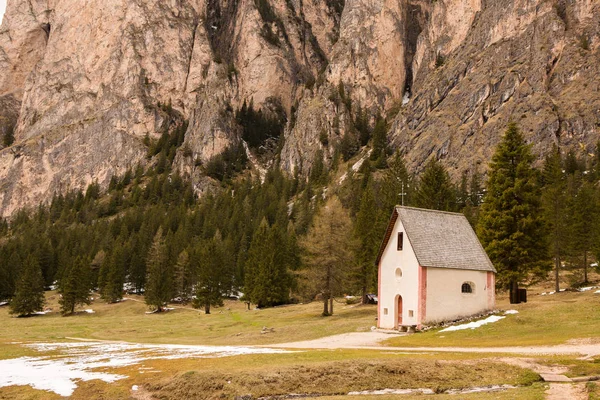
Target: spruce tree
435	189
211	274
159	279
184	276
29	295
267	279
328	248
555	208
367	239
511	227
74	286
379	152
584	225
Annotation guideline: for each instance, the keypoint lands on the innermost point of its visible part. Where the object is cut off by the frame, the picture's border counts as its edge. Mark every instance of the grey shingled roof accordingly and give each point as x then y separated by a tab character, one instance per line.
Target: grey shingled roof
443	240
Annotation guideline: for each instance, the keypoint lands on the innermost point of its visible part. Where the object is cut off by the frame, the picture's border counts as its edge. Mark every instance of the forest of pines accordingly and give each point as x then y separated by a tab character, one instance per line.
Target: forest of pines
265	239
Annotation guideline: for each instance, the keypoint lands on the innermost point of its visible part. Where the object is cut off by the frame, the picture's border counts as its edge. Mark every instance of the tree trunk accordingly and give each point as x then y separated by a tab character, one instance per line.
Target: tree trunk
556	273
207	308
330	304
514	292
327	292
585	267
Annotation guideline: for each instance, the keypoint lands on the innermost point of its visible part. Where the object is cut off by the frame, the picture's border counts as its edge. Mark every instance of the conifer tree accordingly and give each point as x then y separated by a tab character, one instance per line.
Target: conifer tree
267	278
397	185
367	239
584	225
29	295
184	276
113	273
159	279
210	286
328	248
379	152
74	286
554	206
511	227
435	189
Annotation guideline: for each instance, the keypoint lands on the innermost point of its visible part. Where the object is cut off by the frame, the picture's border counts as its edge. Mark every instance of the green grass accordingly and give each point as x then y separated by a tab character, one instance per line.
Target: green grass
544	320
229	325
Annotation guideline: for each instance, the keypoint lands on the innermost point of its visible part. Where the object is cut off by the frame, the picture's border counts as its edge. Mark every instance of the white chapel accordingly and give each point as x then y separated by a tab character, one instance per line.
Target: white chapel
432	268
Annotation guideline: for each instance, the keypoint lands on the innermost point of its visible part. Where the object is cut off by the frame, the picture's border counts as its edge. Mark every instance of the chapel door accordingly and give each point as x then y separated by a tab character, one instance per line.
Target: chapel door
399	311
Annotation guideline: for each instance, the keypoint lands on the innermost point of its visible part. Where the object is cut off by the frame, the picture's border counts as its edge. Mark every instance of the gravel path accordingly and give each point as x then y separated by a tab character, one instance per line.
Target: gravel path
372	341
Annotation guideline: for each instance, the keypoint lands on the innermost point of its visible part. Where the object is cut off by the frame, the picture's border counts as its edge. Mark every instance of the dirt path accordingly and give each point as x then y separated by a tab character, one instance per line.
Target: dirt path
556	391
372	341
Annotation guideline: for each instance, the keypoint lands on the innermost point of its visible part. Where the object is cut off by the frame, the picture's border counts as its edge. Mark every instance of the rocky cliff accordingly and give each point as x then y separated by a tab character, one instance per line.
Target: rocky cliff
83	83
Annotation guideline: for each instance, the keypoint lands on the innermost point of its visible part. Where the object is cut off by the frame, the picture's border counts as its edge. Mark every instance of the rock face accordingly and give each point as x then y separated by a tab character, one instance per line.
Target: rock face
81	85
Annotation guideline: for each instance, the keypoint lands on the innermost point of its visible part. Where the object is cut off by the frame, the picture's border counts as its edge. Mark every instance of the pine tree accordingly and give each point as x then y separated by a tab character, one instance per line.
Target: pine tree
397	185
367	239
184	276
210	286
159	279
435	189
328	247
74	287
584	225
511	227
379	152
267	279
554	206
113	273
29	295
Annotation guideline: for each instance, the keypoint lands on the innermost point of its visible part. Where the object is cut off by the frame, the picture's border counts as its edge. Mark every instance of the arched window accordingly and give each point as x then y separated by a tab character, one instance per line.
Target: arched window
398	274
467	287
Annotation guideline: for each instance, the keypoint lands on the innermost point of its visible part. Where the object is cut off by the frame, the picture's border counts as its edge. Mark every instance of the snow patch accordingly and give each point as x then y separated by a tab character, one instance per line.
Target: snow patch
391	391
585	289
509	312
135	388
58	373
597	291
89	311
474	324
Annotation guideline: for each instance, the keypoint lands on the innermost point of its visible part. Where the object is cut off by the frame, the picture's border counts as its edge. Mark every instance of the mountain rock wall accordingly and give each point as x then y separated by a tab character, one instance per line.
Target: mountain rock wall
83	83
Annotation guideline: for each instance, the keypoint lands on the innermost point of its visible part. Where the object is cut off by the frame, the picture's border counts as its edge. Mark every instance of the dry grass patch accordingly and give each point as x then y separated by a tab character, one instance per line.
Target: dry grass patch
337	378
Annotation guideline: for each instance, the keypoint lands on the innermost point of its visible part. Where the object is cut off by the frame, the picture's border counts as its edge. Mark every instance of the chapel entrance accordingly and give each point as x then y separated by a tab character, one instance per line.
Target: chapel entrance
399	312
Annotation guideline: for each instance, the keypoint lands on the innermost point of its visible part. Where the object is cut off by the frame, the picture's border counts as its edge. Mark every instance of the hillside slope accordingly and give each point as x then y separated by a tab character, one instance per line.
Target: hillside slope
82	85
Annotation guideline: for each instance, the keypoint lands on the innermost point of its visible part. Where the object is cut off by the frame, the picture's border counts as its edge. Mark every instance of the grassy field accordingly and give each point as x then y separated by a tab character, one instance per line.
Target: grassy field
551	319
229	325
543	320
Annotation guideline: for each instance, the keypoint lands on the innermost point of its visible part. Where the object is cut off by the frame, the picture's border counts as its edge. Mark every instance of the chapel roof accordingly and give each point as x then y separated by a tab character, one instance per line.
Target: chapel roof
440	239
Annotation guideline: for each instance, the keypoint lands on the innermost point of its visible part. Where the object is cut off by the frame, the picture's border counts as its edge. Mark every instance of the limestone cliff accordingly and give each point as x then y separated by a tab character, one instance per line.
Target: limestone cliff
83	83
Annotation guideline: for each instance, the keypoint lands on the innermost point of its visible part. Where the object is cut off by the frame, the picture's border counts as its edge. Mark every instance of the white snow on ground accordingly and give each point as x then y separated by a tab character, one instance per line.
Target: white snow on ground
509	312
597	291
585	289
76	361
474	324
391	391
90	311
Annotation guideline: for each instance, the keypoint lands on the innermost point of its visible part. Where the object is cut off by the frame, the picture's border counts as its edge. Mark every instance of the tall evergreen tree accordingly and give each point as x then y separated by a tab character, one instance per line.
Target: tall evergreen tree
74	286
584	225
554	204
435	189
511	227
328	248
29	295
210	286
267	277
159	280
367	240
379	152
